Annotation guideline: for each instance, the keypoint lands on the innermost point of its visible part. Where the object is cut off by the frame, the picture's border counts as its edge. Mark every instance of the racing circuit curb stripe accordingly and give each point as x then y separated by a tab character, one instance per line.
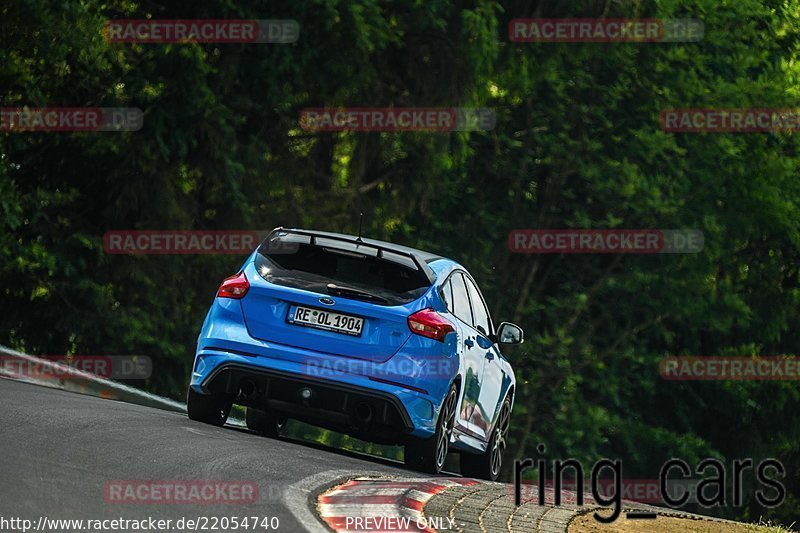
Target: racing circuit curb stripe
382	499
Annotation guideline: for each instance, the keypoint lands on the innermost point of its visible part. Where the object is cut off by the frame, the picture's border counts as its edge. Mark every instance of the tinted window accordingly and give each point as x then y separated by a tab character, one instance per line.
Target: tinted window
460	299
312	268
481	314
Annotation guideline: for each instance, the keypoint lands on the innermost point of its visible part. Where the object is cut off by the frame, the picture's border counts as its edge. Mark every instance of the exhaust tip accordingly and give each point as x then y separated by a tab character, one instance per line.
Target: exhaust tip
247	389
364	412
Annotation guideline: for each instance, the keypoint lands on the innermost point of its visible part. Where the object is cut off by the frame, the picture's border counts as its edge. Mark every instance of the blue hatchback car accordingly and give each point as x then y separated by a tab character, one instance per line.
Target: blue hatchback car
385	343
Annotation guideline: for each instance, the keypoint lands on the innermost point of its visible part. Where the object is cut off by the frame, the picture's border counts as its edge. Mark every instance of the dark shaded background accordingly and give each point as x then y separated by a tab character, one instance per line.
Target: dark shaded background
577	144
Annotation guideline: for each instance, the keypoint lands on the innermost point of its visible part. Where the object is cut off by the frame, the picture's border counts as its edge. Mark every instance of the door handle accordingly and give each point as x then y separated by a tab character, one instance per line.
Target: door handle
469	343
489	355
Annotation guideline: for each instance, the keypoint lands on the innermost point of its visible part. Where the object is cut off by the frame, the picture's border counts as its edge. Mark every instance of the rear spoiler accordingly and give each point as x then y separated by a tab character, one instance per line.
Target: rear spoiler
420	265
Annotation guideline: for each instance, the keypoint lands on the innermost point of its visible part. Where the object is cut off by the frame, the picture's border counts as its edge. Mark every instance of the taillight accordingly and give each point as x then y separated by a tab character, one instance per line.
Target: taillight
234	287
429	323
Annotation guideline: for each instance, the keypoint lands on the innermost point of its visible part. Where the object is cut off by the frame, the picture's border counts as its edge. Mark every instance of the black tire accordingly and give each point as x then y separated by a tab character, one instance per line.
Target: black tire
488	464
208	408
264	423
428	455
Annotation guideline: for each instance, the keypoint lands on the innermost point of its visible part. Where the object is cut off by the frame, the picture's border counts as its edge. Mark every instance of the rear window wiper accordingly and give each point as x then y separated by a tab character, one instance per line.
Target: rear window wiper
337	290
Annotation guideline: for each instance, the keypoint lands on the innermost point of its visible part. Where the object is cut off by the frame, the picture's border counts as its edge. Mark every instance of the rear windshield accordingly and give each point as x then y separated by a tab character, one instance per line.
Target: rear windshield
389	280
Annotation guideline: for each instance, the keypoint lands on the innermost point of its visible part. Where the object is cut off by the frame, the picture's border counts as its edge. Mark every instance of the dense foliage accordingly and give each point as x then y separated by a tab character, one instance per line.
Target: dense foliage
577	144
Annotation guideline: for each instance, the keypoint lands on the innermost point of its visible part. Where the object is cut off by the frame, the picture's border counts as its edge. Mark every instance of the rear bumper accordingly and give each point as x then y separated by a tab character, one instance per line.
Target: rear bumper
405	392
336	400
338	405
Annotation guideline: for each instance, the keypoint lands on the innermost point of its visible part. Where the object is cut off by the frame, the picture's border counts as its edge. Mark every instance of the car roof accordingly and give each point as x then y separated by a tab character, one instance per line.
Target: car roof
428	257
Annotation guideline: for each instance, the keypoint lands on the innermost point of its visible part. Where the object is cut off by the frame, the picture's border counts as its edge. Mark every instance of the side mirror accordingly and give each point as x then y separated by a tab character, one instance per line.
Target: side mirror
509	333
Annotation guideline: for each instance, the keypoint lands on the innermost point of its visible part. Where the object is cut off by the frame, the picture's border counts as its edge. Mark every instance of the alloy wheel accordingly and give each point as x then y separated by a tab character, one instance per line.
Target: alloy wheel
499	441
446	422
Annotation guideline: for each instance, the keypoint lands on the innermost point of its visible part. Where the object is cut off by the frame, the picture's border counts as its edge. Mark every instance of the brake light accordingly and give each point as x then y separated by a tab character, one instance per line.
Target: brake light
234	287
431	324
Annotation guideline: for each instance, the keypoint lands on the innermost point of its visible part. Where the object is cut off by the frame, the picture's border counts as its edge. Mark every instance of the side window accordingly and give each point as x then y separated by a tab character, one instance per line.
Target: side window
460	299
447	295
479	310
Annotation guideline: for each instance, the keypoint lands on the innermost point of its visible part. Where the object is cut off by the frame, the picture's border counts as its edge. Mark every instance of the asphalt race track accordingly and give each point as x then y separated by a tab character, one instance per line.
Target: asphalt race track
60	449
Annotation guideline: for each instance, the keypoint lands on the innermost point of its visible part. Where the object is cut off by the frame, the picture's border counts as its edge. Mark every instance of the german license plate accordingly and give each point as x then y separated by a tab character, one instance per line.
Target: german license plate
327	320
